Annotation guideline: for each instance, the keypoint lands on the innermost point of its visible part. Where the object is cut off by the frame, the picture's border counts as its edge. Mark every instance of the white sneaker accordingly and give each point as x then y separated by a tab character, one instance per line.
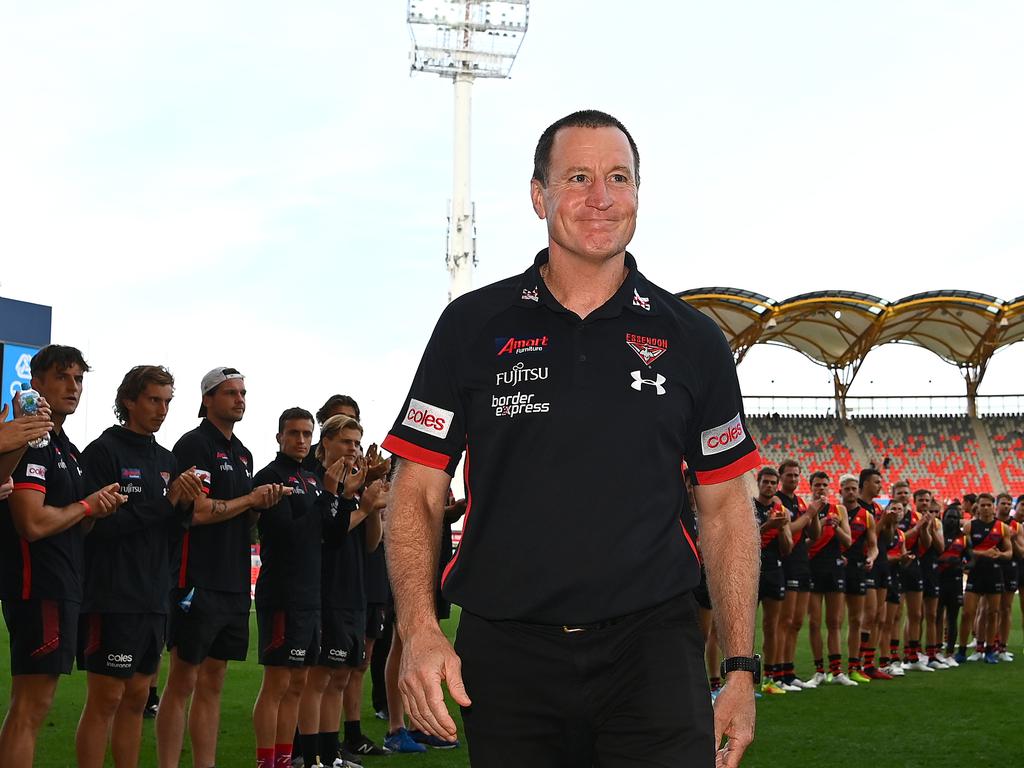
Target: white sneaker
788	687
896	670
920	665
808	684
842	679
936	664
818	679
976	656
950	662
1005	656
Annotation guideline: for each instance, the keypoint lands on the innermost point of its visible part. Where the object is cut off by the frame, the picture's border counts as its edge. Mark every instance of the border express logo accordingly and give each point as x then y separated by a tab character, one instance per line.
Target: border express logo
723	437
647	348
510	345
428	419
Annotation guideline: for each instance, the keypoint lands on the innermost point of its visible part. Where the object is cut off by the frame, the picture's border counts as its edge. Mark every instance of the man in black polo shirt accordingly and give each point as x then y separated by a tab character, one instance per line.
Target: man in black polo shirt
42	530
209	622
580	645
127	570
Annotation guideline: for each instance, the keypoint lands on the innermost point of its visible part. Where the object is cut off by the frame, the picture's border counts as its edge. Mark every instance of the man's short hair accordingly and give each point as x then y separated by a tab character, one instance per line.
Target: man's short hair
333	426
292	413
767	471
787	464
134	384
900	484
819	475
1004	495
334	402
585	118
921	492
59	357
971	497
987	495
844	479
865	474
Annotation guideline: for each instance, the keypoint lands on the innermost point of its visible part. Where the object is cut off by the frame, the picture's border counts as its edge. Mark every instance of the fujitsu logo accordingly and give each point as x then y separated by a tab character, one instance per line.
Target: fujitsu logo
512	346
519	372
723	437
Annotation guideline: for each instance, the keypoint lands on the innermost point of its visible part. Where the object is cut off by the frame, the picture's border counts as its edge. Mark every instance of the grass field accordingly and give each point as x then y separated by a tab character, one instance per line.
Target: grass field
961	717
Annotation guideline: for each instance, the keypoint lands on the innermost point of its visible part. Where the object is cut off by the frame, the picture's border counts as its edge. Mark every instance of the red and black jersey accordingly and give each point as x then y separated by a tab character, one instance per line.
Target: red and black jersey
216	556
292	534
881	567
50	568
857	551
986	536
127	568
771	557
516	381
796	562
951	561
896	544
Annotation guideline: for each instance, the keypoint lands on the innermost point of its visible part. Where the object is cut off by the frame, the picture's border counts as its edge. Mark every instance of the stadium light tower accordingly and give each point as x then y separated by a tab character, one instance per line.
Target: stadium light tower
464	40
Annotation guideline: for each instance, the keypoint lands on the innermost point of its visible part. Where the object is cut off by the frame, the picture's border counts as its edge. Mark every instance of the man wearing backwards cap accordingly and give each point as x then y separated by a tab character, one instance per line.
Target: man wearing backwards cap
209	622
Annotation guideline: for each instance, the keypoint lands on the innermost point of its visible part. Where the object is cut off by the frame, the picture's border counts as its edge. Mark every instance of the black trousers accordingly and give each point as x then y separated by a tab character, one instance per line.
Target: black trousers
631	694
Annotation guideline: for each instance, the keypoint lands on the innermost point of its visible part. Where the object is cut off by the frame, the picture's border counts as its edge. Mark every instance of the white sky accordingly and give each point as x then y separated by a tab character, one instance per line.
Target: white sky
264	185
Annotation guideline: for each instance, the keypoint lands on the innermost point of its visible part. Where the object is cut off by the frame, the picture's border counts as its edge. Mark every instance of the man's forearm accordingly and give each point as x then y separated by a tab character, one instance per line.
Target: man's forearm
208	511
9	461
730	547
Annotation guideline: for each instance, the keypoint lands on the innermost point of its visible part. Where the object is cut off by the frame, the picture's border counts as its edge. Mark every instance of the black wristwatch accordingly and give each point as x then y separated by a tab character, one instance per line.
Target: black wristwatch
743	664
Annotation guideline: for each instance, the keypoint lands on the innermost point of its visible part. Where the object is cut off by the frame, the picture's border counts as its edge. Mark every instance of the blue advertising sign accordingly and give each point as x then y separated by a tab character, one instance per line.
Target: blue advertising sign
16	370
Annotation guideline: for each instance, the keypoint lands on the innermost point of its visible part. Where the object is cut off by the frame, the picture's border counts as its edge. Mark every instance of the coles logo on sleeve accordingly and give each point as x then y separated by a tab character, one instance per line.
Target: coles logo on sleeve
723	437
428	419
35	470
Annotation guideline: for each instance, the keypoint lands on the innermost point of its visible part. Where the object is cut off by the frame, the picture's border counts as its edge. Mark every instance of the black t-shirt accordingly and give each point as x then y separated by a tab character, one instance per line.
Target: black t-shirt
50	568
377	589
574	431
292	534
127	568
216	556
771	556
343	569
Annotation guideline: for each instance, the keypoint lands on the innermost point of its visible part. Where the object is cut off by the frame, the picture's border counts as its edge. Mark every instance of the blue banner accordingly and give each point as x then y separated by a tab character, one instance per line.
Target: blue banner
16	370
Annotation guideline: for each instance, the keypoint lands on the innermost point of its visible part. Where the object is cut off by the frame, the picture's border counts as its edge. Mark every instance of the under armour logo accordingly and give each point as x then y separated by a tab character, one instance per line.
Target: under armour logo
656	382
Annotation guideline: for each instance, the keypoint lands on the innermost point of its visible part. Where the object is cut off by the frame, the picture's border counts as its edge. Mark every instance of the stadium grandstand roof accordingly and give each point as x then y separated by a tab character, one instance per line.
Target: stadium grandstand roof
837	329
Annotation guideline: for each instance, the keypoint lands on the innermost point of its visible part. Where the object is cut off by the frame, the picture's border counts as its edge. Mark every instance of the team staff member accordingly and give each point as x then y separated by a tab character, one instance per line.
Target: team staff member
516	373
127	570
209	622
828	578
42	531
288	587
988	543
776	542
804	527
860	557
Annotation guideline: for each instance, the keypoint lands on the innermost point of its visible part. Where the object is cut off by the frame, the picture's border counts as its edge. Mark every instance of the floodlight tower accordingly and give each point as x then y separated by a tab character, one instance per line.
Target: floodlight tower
464	40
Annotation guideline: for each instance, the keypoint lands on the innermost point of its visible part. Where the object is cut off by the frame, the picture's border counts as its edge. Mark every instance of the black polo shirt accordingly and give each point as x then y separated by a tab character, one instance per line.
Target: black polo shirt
291	534
575	432
50	568
216	556
127	569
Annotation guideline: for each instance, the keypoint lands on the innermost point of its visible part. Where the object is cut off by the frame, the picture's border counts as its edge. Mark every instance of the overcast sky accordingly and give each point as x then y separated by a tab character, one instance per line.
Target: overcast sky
264	185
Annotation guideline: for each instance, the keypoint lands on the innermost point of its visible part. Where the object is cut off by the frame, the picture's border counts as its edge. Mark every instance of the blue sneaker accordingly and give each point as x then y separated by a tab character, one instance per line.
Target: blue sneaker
991	658
960	658
432	741
401	741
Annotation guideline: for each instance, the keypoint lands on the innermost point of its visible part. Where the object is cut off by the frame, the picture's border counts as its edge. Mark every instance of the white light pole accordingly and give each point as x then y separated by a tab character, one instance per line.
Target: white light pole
464	40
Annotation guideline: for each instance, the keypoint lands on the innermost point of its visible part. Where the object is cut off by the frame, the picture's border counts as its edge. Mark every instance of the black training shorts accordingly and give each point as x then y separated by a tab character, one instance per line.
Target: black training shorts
121	644
208	626
343	640
43	635
772	585
288	638
856	582
375	620
985	579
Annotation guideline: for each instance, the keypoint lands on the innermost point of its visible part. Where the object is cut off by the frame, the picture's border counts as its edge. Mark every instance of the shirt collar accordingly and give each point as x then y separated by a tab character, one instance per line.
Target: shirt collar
207	426
634	293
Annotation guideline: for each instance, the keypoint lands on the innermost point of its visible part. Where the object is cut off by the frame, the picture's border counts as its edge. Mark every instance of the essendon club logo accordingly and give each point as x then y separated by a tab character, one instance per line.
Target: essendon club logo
510	345
647	348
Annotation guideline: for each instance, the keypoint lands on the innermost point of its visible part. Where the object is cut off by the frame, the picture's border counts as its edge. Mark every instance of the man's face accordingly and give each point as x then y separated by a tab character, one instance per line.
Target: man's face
344	410
345	444
849	492
901	493
1003	507
296	438
227	402
872	486
147	412
922	502
819	488
898	508
61	388
985	509
767	486
1018	511
789	480
590	200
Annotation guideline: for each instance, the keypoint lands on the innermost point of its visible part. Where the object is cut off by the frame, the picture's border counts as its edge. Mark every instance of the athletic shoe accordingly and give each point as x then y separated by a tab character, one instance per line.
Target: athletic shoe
976	656
895	670
960	658
364	746
340	762
808	684
787	687
347	755
920	666
829	677
381	714
950	661
859	677
432	741
878	674
842	679
991	658
1005	656
936	664
770	687
401	741
819	678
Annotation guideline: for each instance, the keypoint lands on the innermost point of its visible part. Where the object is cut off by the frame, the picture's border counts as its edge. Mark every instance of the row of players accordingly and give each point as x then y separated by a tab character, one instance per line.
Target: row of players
873	563
109	553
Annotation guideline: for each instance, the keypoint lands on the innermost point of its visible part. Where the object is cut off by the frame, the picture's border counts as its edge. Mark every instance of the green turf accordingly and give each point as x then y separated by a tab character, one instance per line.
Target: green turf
923	720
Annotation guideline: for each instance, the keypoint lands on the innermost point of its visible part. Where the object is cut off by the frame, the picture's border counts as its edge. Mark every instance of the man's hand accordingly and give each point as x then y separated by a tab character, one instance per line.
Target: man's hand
105	501
734	719
778	519
375	496
355	479
377	467
427	659
6	488
185	488
16	434
335	474
906	557
267	496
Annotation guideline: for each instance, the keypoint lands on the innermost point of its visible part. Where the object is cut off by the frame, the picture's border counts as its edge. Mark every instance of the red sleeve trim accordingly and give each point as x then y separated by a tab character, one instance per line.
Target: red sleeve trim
415	453
744	464
30	487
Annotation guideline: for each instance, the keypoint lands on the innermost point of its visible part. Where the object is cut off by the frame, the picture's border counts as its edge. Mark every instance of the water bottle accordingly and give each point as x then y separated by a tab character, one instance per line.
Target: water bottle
29	400
186	602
